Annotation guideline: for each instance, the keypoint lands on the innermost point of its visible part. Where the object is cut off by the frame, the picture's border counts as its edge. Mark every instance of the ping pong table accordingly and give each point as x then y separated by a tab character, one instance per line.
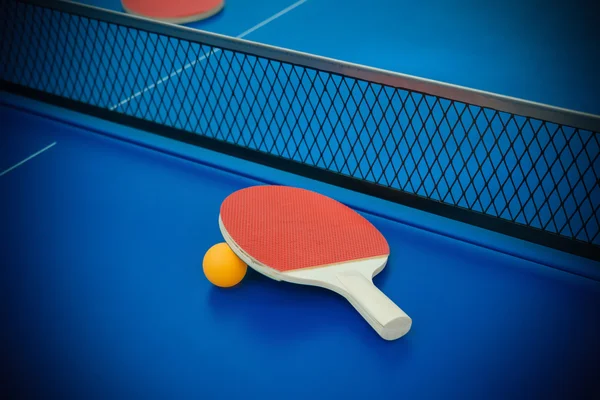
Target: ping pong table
121	137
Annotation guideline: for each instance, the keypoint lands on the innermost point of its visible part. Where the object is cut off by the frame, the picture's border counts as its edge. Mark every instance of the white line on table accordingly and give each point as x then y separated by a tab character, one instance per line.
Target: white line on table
191	64
28	158
271	19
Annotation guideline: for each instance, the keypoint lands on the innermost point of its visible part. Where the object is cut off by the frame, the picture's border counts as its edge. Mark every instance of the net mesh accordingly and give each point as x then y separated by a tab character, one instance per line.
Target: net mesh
524	170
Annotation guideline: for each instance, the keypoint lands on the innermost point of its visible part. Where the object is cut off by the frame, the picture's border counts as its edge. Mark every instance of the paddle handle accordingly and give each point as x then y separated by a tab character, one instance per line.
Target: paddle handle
388	320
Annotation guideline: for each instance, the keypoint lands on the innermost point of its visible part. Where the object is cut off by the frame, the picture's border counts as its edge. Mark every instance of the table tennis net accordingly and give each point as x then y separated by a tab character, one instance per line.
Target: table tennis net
516	168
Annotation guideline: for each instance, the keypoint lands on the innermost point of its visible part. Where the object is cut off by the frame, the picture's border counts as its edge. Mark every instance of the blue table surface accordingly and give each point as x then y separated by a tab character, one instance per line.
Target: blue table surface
103	294
102	237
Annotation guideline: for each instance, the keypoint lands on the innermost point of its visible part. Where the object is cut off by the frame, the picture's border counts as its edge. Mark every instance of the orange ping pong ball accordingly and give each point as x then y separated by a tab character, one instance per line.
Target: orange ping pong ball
222	267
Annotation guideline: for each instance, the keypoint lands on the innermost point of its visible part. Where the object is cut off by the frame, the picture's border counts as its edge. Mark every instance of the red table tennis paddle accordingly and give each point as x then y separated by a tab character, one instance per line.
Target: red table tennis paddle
299	236
174	11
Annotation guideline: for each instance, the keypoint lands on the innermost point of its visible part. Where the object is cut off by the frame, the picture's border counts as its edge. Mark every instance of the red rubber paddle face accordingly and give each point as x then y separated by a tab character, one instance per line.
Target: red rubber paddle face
176	10
287	228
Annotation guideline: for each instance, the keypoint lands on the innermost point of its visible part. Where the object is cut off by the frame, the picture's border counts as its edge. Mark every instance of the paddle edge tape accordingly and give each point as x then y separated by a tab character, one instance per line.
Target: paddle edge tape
178	20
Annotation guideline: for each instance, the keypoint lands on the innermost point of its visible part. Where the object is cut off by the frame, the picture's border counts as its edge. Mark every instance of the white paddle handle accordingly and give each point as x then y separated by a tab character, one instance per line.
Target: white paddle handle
388	320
